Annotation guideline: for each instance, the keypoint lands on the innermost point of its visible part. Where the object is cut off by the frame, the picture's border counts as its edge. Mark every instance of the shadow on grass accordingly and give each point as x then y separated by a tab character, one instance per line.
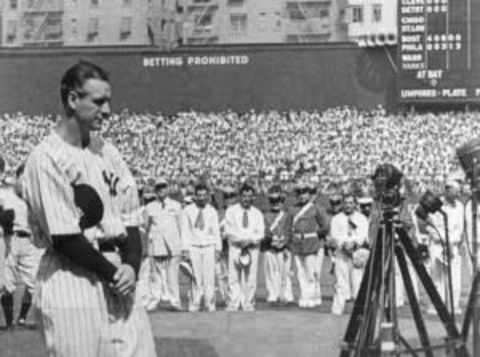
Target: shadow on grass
184	347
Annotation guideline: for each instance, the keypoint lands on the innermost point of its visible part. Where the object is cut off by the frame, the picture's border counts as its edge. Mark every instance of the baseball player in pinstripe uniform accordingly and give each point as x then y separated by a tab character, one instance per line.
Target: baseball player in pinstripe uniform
23	256
84	199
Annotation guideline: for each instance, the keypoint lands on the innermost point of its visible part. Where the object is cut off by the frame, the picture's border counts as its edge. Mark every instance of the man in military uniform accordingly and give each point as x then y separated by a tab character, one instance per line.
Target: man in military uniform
277	255
310	225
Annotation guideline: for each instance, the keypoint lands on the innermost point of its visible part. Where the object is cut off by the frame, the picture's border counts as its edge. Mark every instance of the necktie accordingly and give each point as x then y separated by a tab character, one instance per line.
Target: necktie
199	222
245	218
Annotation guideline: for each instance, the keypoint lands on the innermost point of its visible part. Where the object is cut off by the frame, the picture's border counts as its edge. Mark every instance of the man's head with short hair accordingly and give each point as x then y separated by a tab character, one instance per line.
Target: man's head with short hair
75	77
349	202
276	197
201	194
247	193
86	94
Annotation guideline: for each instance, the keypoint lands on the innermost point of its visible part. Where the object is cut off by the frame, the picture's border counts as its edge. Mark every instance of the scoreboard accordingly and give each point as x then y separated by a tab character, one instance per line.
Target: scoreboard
438	51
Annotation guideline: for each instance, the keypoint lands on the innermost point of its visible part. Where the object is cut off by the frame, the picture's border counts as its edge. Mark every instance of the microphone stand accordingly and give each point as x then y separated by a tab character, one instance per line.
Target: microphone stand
476	306
447	252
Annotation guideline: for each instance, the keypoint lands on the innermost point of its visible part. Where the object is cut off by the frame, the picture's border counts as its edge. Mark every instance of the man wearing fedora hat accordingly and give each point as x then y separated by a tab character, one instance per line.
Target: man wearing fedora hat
244	229
163	216
277	255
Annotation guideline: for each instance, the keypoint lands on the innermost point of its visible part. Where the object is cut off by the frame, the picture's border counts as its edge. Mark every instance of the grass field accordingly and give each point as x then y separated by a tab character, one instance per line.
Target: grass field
267	332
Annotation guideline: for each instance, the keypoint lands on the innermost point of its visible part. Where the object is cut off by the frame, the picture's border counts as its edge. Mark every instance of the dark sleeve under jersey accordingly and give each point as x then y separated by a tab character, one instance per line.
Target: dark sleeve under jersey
131	249
77	248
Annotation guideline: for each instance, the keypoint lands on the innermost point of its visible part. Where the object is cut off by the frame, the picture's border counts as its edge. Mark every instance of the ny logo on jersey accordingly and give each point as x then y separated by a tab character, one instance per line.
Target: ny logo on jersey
111	180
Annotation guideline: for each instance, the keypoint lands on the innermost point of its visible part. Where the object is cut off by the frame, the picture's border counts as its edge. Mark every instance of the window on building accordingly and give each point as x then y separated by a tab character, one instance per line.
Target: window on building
238	23
73	27
204	20
11	30
94	3
324	13
377	12
53	28
235	2
127	3
92	30
295	13
357	14
13	4
125	27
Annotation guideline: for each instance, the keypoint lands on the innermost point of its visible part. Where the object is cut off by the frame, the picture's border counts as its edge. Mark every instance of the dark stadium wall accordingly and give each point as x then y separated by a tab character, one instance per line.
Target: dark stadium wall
206	78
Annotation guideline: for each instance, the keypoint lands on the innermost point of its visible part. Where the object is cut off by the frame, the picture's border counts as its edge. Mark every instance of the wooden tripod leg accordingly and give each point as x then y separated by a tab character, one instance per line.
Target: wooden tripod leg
469	311
440	307
357	319
417	314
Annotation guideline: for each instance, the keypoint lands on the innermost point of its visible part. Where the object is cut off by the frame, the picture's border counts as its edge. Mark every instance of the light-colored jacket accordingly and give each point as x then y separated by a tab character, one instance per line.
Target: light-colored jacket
164	227
342	232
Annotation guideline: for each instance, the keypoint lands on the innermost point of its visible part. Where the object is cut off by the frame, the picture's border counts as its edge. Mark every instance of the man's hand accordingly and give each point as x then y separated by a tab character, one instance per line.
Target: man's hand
124	280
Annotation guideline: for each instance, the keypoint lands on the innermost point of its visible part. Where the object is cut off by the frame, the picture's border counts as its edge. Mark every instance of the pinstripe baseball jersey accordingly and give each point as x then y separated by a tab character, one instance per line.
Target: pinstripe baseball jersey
54	166
10	200
78	314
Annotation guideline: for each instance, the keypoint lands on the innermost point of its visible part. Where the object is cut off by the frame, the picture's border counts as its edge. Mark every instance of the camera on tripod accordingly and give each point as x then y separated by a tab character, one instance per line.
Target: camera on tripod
374	328
387	179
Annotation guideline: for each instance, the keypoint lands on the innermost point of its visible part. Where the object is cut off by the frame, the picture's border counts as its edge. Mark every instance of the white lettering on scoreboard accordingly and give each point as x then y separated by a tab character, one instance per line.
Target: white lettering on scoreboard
436	93
179	61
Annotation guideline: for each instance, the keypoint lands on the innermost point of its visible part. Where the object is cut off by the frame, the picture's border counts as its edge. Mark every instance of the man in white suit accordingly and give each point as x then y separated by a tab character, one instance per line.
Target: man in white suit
163	217
244	228
201	233
349	231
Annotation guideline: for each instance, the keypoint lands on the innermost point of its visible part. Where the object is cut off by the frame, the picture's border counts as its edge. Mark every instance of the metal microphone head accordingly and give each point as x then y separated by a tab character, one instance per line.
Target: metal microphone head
430	202
469	156
421	213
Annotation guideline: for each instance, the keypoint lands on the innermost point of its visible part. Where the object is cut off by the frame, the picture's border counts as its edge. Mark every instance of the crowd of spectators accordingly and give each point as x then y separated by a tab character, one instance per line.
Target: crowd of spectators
228	147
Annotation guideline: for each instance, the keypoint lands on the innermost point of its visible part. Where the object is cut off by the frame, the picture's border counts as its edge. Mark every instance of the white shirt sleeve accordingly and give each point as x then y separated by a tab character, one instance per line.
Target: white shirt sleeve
186	230
258	230
360	234
216	230
338	232
231	227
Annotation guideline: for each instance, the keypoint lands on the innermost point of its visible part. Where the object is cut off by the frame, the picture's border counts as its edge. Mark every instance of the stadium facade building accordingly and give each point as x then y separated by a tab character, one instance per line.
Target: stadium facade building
169	23
371	23
32	23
